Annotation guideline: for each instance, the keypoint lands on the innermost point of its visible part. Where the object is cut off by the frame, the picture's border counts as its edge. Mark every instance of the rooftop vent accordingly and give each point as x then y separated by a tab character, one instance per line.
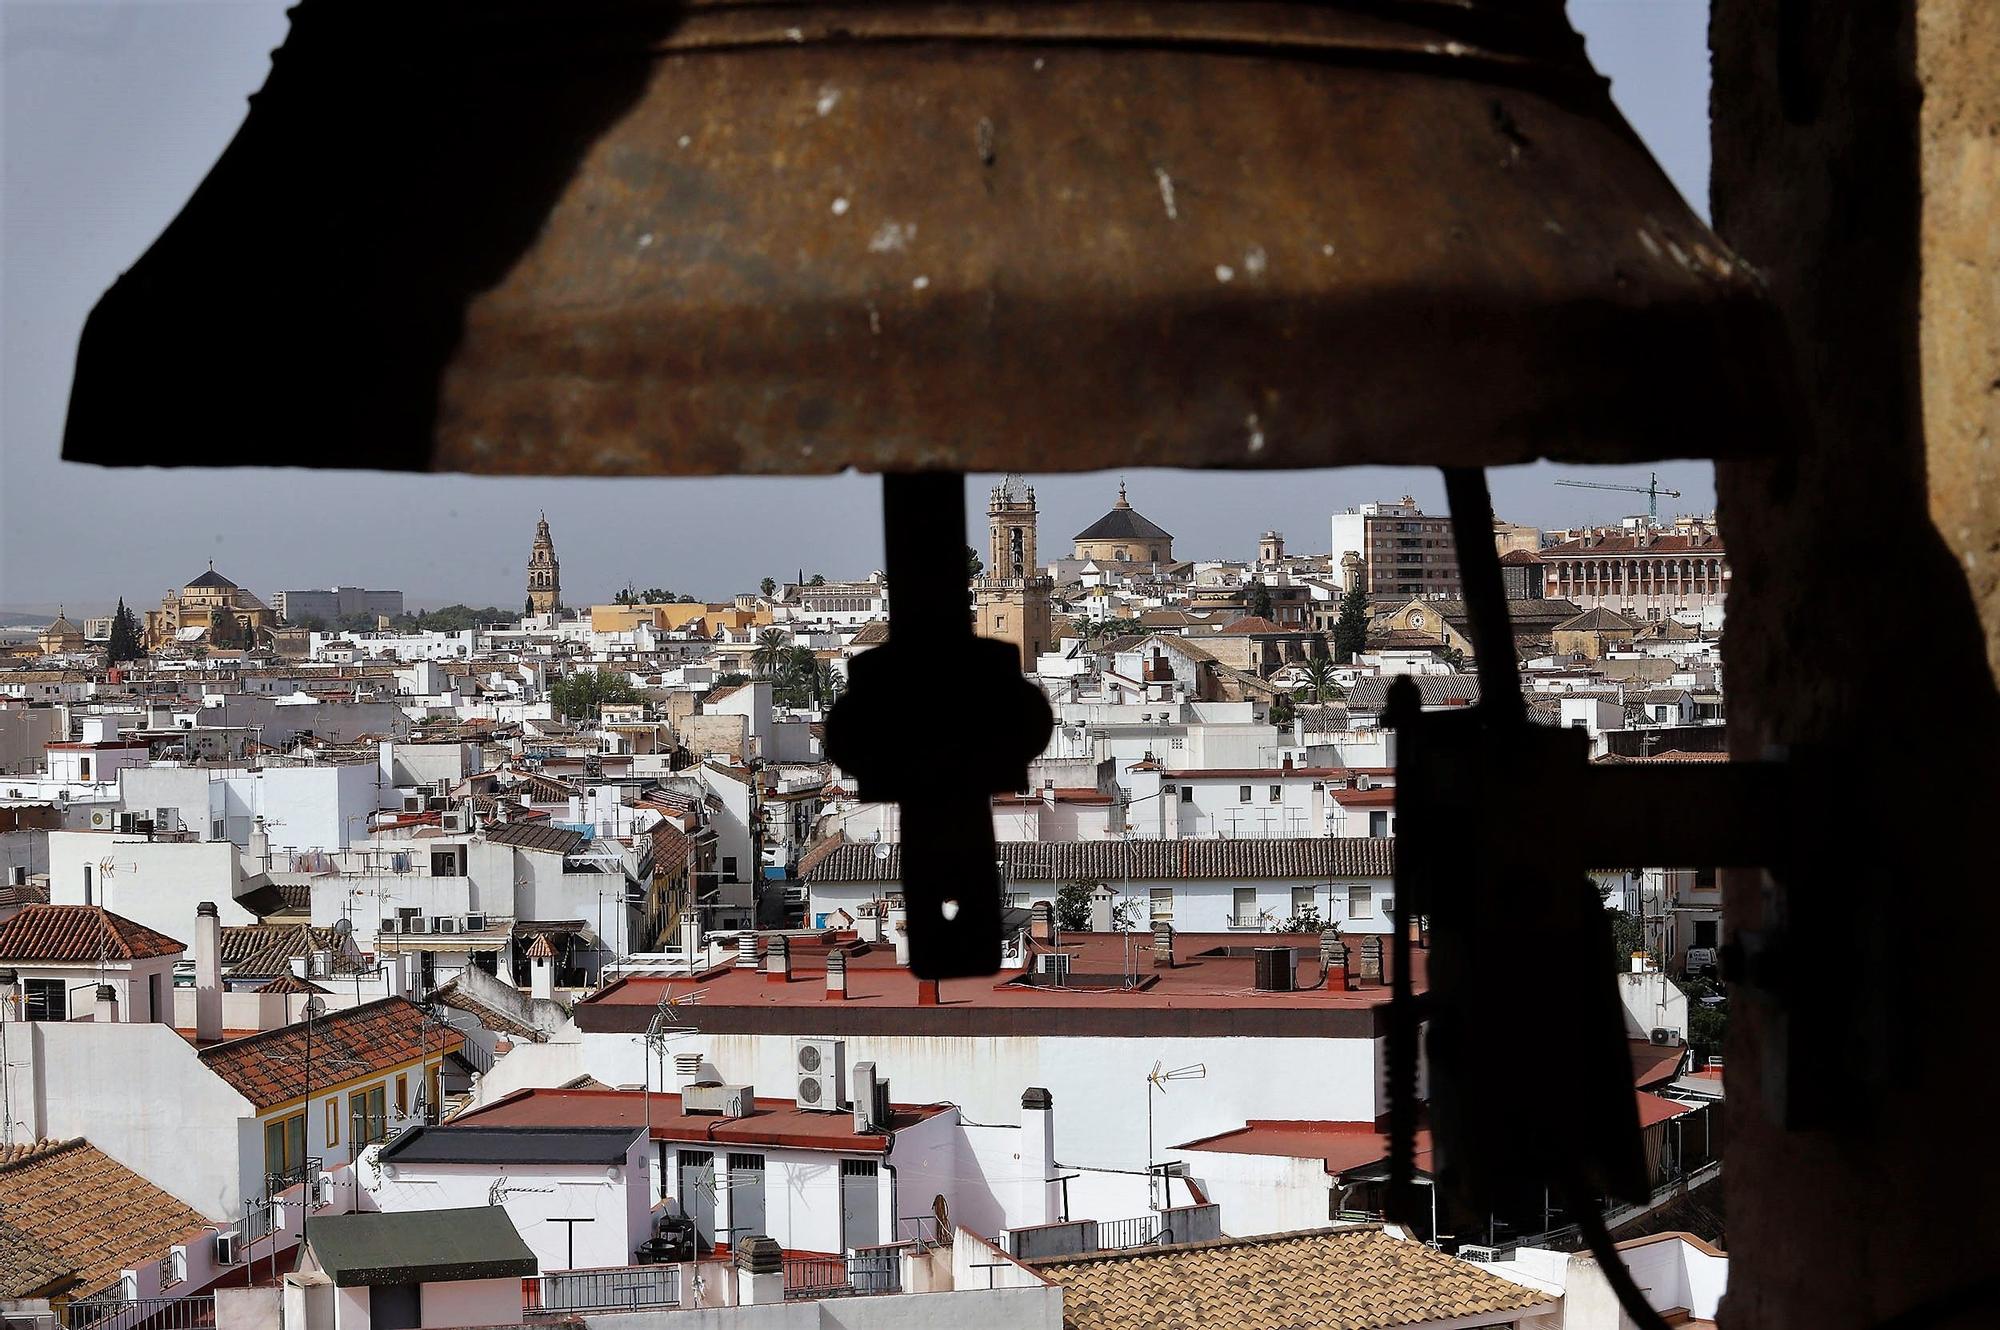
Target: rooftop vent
729	1101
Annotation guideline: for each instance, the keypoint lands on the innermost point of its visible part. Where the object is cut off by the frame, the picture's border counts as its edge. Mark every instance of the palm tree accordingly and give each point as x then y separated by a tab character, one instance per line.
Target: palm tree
1318	679
772	644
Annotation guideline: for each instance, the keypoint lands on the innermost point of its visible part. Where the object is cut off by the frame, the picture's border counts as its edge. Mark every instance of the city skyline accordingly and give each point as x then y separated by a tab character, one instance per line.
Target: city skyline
115	111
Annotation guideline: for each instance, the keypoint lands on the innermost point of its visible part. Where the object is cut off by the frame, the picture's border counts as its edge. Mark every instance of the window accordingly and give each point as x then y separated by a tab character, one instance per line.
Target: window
729	866
367	1117
444	863
285	1145
1243	794
1378	824
1361	902
999	623
402	1095
1187	791
1179	743
47	999
1243	906
1704	933
85	768
1277	794
1302	901
87	898
332	1121
1017	900
1162	901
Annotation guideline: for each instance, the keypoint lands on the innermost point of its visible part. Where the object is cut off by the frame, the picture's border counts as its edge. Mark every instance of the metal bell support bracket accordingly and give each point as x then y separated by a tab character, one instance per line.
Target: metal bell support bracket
882	730
1498	824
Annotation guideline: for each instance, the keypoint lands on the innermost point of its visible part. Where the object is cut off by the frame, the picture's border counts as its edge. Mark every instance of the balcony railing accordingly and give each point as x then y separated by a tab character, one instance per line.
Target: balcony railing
305	1171
1252	921
843	1276
104	1311
626	1288
1141	1231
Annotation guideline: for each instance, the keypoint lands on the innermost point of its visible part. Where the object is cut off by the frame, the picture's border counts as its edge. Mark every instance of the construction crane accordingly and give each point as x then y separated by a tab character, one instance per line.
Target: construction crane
1651	489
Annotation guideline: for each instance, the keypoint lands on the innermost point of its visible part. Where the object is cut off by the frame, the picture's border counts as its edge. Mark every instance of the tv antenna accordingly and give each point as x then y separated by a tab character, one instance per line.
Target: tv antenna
1156	1081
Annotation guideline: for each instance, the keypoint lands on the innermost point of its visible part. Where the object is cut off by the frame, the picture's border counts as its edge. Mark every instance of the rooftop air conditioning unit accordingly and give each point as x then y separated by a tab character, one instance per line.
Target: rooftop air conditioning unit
225	1248
1662	1035
99	820
389	923
475	923
444	923
413	803
1363	781
414	923
453	821
729	1101
821	1065
1055	967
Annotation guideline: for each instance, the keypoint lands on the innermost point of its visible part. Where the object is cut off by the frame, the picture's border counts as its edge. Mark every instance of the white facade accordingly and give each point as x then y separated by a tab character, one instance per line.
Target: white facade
156	883
612	1203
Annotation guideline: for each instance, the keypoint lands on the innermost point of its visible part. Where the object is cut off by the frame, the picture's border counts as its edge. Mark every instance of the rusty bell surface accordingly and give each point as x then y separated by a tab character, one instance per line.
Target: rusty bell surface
756	237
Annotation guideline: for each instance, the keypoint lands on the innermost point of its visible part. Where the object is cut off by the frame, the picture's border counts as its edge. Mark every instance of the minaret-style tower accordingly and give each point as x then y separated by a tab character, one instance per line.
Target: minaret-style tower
1011	599
544	572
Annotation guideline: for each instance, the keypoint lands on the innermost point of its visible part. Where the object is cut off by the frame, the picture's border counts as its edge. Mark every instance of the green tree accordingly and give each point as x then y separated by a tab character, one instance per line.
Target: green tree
1260	601
1073	905
818	579
1455	657
973	566
769	587
1350	631
772	644
627	596
1708	1016
528	607
224	633
125	644
1306	920
1319	681
582	695
1283	710
1628	938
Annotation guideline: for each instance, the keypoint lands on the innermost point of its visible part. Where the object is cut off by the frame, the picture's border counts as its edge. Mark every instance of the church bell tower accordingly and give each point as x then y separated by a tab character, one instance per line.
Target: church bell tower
544	572
1011	599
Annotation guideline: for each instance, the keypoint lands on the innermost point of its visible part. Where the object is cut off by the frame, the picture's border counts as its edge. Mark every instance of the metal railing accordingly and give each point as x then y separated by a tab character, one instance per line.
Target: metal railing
1251	921
1140	1232
111	1310
843	1276
306	1170
626	1288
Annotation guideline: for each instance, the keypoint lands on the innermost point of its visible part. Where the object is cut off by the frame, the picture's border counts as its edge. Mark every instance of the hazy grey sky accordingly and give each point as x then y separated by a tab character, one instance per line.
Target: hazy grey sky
113	112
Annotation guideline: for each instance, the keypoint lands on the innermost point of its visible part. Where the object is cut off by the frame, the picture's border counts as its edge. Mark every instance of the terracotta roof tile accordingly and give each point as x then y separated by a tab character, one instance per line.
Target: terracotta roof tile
80	933
270	1067
289	983
1066	861
1344	1279
127	1221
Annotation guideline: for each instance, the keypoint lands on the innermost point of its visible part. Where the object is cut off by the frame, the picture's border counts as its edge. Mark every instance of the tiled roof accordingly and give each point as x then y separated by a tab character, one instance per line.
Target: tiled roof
541	949
1600	546
1255	623
90	1211
1371	694
1123	523
1345	1279
28	1268
270	1067
80	933
537	836
1598	620
251	951
289	983
1516	557
500	1022
1068	861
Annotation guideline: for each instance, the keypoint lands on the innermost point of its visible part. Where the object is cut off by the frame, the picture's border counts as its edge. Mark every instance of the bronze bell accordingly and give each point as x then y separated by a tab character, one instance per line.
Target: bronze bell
650	238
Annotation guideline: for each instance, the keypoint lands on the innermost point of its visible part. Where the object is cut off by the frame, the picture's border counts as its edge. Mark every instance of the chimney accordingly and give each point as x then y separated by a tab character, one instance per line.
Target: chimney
107	1005
541	976
1371	957
1333	958
778	961
259	844
207	973
1163	946
760	1271
836	975
690	929
1041	1192
1287	765
687	1069
899	933
927	992
746	950
864	1098
1042	925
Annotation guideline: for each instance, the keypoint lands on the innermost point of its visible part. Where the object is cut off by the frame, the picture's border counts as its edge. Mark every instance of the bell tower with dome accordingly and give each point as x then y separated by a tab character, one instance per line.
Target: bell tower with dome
544	572
1011	599
1123	536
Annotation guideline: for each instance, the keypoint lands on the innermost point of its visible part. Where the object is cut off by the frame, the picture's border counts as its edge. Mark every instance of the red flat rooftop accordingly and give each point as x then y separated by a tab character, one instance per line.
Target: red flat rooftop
777	1122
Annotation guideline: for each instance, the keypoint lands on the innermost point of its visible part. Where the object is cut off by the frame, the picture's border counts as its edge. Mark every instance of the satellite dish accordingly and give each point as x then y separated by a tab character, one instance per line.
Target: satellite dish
343	927
882	850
